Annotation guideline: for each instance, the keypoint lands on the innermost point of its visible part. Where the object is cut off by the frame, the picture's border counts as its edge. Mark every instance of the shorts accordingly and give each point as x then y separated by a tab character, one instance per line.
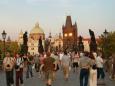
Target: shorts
66	70
75	64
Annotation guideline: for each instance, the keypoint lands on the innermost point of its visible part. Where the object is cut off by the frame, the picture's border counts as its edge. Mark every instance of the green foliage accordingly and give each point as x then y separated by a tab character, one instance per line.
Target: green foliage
11	47
24	49
108	44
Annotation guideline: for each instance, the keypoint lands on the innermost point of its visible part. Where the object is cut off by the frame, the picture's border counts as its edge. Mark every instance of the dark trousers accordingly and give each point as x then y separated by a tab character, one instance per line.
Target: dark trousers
84	75
37	67
100	73
9	78
29	71
19	77
113	72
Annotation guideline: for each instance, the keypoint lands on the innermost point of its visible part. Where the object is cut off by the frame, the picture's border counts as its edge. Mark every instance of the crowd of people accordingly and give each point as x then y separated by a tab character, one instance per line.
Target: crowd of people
47	64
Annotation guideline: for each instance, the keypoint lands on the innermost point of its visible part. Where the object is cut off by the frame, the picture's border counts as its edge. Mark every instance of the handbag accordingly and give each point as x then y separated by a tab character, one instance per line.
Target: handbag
94	66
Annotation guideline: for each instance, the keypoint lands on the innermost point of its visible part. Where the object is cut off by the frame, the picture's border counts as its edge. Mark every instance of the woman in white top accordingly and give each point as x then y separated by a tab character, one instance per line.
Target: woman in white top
65	65
75	61
93	70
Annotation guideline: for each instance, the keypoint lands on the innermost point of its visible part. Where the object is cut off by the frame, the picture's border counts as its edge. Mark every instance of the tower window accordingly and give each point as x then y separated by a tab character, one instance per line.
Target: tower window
65	34
70	34
32	48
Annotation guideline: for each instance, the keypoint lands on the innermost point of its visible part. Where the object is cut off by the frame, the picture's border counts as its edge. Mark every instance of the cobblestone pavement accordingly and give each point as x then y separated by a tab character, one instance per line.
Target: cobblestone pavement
36	81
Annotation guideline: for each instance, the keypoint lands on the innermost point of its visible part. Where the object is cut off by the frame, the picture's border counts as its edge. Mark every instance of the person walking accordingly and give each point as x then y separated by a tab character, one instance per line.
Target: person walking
8	66
113	67
56	57
37	63
19	70
65	65
75	61
48	68
84	68
93	70
100	68
29	66
41	62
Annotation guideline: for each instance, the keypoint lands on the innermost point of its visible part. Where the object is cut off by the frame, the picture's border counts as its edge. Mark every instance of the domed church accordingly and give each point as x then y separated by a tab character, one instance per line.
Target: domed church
34	36
33	39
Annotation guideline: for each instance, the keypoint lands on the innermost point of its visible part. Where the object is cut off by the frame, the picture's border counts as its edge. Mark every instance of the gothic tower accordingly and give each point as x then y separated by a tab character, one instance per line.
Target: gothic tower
69	34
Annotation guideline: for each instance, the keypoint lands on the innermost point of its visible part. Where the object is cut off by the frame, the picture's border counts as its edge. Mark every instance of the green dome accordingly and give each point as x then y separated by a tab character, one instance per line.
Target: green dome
37	30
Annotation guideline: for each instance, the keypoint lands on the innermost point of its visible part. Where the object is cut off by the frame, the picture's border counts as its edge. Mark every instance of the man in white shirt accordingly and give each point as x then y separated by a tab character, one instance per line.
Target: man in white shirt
65	64
100	70
8	65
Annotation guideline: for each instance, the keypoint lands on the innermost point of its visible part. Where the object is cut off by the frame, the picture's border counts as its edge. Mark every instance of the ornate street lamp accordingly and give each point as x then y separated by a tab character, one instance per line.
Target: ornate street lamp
105	33
4	37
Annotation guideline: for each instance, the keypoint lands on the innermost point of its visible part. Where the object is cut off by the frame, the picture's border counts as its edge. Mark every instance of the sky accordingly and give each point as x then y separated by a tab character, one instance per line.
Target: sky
17	15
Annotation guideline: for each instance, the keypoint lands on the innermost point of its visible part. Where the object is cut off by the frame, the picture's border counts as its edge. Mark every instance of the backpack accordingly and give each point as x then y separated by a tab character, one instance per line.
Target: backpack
8	65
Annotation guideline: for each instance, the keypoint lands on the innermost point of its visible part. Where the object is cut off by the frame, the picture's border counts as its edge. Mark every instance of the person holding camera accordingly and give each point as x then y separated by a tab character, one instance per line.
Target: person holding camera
8	66
19	70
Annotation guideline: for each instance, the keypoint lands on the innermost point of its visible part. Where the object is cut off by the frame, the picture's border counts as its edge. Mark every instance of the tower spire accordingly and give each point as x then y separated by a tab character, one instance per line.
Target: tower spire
68	21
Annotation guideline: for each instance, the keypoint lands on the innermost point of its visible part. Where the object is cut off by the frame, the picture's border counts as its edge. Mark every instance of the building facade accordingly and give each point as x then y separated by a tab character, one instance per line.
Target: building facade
70	34
57	42
20	38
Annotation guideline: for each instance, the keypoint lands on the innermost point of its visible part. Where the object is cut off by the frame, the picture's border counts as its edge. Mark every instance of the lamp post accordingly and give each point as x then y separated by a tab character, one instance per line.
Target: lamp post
105	34
4	37
105	40
50	42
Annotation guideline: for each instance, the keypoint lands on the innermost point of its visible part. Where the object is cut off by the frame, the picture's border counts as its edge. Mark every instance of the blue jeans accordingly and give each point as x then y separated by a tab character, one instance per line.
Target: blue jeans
100	73
29	71
84	75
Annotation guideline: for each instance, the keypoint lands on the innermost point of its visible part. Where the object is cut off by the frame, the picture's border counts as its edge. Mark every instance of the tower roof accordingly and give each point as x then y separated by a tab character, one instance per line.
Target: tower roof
68	21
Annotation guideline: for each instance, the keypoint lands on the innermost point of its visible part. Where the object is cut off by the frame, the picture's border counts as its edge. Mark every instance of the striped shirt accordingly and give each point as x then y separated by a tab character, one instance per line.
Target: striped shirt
8	60
85	62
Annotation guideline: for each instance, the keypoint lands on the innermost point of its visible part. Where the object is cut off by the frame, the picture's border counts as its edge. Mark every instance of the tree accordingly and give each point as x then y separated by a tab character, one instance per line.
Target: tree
11	47
107	44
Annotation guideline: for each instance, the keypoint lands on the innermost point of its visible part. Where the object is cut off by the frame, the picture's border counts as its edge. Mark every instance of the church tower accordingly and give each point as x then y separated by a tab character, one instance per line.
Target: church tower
20	38
69	34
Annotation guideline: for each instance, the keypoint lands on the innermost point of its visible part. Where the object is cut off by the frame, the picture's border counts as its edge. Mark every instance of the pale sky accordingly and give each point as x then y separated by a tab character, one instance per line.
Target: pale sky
17	15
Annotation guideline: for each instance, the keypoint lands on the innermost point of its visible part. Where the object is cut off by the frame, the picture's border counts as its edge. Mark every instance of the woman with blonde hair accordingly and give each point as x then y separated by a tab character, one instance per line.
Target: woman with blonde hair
93	70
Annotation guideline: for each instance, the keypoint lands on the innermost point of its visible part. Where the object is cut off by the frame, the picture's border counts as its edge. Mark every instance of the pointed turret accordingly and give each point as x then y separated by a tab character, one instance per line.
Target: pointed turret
68	22
21	33
50	36
37	25
75	24
8	40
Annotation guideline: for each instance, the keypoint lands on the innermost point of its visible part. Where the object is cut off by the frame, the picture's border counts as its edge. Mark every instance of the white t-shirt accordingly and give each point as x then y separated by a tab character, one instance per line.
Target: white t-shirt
19	61
76	58
65	60
61	55
99	62
8	61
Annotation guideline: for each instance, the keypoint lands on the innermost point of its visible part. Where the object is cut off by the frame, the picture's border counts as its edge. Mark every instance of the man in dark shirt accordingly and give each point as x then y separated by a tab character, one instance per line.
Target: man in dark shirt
48	68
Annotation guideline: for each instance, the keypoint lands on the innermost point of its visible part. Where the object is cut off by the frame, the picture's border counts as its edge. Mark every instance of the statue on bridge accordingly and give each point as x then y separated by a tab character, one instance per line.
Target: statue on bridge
24	46
80	44
93	44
